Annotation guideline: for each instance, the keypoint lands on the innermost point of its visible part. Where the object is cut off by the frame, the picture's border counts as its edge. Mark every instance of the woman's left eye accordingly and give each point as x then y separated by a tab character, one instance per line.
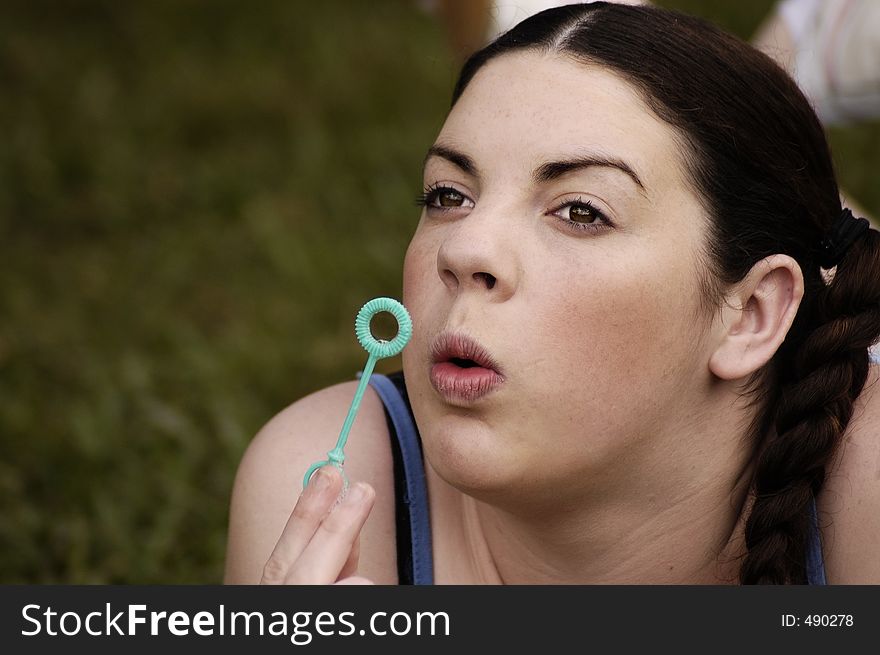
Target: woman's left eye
581	215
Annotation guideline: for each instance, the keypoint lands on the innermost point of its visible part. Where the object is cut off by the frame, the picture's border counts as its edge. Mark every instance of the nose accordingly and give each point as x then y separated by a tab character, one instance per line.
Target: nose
479	254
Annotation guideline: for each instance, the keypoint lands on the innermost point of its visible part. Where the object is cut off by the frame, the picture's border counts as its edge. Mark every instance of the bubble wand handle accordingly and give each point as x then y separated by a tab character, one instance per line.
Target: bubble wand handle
376	349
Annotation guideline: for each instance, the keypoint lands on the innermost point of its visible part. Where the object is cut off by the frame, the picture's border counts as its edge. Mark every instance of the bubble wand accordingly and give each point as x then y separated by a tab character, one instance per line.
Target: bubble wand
376	349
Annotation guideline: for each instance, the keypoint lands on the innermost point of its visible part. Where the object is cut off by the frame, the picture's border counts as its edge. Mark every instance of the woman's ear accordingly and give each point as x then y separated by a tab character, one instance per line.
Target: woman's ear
756	316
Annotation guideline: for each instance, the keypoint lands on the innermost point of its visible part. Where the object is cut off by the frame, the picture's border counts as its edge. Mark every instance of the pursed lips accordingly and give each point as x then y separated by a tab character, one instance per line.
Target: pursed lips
462	370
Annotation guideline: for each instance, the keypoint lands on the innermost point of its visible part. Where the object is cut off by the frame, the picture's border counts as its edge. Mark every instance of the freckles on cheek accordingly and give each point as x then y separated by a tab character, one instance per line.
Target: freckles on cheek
421	284
617	330
418	264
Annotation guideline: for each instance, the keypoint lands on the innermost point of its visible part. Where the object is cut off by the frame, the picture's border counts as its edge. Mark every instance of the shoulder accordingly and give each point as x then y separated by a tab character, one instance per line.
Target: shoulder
849	505
269	480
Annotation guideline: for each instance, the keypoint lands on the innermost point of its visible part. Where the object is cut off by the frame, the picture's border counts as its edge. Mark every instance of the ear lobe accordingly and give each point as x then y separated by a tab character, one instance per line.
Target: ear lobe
757	315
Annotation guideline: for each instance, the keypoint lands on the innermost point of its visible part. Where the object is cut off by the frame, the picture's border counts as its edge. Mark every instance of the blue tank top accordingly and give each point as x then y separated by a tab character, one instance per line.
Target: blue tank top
415	563
415	560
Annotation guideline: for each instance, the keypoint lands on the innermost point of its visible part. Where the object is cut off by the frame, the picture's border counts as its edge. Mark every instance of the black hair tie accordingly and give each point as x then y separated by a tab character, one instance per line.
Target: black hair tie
844	231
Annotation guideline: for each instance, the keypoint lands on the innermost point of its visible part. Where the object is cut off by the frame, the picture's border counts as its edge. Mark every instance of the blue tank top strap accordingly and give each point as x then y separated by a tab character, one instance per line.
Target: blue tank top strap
815	561
414	472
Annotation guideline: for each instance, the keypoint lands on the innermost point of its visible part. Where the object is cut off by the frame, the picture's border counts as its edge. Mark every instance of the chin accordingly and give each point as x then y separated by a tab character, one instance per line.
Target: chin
470	457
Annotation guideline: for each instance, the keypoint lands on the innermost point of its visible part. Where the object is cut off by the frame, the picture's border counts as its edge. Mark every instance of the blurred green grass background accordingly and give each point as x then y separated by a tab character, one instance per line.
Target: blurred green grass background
195	200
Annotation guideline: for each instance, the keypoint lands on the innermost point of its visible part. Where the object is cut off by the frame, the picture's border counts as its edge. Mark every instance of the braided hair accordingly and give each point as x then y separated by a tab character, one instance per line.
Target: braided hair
757	156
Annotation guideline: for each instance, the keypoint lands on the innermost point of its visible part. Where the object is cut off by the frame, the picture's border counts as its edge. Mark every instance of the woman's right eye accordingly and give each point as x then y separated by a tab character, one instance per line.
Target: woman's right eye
443	198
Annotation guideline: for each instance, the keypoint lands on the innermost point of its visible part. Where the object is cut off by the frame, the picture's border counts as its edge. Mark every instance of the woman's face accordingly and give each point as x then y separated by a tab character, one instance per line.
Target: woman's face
559	251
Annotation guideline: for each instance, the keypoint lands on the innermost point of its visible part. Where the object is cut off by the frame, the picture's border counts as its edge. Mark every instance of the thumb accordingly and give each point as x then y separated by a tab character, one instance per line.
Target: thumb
355	580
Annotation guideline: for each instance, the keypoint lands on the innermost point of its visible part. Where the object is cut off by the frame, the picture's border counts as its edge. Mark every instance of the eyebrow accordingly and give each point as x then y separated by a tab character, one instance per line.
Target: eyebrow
545	172
461	160
555	169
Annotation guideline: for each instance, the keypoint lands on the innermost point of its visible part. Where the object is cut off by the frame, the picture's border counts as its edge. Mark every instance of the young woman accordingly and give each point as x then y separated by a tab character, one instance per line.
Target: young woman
641	331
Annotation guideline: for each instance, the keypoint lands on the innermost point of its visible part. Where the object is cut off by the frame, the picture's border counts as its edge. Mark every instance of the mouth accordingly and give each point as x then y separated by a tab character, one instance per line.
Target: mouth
462	370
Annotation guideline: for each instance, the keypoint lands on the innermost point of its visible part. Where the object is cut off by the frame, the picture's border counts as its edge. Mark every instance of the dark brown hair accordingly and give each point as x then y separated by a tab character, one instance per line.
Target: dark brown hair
757	157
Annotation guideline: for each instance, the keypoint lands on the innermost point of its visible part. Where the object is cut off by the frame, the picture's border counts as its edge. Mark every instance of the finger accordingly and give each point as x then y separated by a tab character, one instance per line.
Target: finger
355	579
311	508
351	564
323	558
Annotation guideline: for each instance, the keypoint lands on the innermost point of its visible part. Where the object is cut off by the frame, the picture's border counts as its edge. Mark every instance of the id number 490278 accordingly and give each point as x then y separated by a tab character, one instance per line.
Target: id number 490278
818	620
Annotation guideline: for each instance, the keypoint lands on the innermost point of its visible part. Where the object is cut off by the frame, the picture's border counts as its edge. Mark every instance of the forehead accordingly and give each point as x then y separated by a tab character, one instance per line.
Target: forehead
529	105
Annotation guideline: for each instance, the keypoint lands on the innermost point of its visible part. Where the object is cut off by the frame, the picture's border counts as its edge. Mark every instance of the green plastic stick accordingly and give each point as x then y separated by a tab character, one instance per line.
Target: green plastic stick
376	349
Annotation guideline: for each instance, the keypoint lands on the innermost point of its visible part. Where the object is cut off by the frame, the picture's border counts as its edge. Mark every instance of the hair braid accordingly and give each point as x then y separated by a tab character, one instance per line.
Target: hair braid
819	380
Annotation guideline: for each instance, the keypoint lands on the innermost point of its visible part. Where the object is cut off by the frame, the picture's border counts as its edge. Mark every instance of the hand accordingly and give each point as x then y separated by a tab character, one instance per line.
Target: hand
320	543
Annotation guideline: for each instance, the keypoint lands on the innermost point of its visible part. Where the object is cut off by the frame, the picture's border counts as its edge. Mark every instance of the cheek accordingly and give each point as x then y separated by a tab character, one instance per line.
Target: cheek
413	268
624	338
419	284
418	271
420	259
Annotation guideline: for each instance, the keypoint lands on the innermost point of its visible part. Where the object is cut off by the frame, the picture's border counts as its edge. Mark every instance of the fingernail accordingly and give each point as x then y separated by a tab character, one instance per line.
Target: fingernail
321	480
356	494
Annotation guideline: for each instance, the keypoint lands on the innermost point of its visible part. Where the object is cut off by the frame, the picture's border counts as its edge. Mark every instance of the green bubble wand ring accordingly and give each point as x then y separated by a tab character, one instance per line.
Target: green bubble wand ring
376	349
